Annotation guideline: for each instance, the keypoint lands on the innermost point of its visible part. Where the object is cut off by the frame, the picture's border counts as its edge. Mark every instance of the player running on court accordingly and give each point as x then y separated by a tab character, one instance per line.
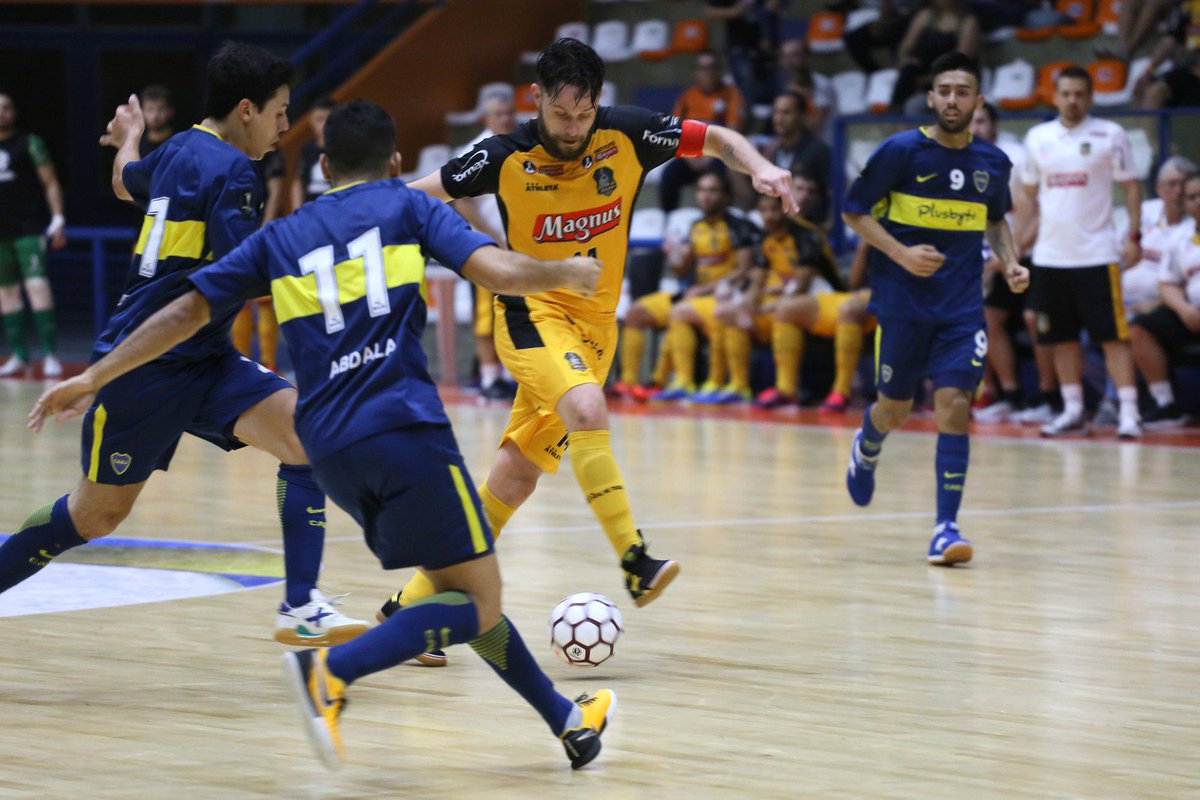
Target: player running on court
347	275
924	201
202	197
567	182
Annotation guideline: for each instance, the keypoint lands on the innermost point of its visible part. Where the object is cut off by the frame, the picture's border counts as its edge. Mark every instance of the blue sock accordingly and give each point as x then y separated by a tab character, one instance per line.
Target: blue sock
953	452
504	650
47	532
872	440
302	515
431	623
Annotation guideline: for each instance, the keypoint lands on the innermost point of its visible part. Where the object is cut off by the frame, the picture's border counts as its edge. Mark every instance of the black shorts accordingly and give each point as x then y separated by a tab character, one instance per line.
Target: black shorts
1184	86
1068	300
1167	329
1004	298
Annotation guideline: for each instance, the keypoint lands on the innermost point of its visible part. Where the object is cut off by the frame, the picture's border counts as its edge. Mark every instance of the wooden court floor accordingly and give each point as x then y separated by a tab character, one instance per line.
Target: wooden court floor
806	650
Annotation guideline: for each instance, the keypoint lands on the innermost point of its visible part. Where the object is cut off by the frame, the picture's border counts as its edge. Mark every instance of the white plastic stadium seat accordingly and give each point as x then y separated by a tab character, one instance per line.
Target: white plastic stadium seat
859	17
755	216
429	159
1125	95
856	156
486	92
879	88
850	92
1013	81
650	35
568	30
611	40
679	223
648	225
1143	152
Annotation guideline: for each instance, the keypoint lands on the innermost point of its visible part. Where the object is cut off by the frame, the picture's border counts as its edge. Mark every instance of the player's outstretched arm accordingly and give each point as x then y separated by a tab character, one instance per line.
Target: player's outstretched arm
168	327
1000	237
921	259
509	272
123	132
431	185
738	154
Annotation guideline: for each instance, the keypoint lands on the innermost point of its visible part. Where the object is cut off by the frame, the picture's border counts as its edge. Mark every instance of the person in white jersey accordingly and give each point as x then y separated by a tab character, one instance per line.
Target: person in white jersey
498	117
1164	224
1176	322
1071	164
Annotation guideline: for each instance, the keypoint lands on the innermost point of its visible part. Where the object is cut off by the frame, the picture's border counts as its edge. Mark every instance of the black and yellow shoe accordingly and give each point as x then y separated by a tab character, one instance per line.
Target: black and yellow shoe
433	658
321	698
646	577
582	742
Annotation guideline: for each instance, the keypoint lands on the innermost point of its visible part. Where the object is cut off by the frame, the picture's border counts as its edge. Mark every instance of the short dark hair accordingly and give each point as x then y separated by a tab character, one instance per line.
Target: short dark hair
990	110
1077	72
324	101
360	138
570	62
238	71
954	60
156	91
722	178
801	100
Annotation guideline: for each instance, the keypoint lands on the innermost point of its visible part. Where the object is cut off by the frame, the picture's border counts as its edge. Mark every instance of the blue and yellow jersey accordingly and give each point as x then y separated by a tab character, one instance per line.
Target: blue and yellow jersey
925	193
798	243
346	273
715	244
202	197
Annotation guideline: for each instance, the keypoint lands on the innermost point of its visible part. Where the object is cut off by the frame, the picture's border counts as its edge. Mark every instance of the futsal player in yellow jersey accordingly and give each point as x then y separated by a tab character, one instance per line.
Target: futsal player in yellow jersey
566	182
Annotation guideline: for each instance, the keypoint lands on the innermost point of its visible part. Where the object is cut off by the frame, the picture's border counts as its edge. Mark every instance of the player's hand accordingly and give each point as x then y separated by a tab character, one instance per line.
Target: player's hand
64	400
921	259
1017	277
127	122
1131	253
775	181
56	233
581	274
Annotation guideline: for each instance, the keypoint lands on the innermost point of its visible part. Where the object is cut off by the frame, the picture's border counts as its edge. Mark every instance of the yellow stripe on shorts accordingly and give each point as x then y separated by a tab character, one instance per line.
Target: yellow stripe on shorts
1118	302
477	538
878	339
98	420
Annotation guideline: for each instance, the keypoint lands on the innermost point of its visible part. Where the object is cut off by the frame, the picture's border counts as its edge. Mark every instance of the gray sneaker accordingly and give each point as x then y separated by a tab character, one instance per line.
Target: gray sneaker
1035	415
1066	423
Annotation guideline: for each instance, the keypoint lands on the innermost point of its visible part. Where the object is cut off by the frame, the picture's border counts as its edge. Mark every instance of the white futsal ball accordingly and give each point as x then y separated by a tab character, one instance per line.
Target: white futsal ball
584	628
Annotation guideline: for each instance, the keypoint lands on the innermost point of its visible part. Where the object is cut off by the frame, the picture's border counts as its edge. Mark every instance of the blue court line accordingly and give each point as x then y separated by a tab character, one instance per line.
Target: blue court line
249	581
117	541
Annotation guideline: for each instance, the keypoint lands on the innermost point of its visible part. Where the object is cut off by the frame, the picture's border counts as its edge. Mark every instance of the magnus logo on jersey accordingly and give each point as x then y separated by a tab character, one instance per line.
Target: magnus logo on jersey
959	217
577	226
477	161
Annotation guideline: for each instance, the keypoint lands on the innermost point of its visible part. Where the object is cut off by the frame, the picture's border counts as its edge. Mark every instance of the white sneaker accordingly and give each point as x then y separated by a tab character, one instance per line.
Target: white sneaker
1001	411
1066	422
1129	428
1035	415
317	623
13	367
51	367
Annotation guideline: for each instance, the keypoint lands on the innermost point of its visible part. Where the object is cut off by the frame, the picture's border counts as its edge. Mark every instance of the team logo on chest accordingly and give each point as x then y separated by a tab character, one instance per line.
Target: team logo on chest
606	182
1085	148
981	180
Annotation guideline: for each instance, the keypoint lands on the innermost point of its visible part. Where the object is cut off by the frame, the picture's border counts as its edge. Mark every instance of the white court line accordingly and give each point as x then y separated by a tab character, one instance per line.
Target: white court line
1092	508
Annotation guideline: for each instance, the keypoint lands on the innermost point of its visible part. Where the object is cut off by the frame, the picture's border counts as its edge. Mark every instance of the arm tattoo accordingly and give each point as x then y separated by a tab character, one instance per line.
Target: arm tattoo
1000	238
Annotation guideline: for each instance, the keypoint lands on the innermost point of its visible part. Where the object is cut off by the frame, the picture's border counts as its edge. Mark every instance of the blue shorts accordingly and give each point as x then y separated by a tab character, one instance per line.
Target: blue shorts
409	490
135	422
952	354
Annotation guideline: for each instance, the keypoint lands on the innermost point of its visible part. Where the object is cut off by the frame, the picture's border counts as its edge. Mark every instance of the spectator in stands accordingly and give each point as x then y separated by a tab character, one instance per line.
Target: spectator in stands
1175	323
751	42
710	99
27	178
310	182
885	31
159	111
809	196
795	147
795	74
1165	223
943	26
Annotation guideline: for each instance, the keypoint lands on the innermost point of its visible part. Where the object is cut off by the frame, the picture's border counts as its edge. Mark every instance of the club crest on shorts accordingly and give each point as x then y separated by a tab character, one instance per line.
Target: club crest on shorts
575	361
981	180
606	182
120	462
885	373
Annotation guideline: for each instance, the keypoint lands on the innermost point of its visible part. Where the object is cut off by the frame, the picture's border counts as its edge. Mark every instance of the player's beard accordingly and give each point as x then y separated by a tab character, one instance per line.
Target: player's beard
959	125
557	150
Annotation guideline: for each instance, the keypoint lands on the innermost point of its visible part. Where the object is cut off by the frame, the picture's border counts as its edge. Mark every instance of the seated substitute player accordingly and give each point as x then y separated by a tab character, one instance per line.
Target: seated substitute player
924	201
1173	324
202	197
719	247
568	181
347	275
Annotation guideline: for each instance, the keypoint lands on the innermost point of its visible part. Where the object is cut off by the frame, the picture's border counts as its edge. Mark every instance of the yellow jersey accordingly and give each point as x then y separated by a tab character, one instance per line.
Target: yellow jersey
799	243
715	244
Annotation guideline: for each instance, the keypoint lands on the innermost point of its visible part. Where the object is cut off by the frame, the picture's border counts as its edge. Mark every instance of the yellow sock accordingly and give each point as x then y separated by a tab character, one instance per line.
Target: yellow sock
737	356
600	479
662	367
787	344
242	332
847	346
717	373
268	334
633	344
683	340
498	514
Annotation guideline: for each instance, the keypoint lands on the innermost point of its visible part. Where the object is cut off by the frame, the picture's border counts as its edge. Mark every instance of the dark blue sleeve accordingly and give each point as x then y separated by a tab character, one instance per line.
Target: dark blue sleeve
1000	203
237	277
883	172
442	231
136	177
236	210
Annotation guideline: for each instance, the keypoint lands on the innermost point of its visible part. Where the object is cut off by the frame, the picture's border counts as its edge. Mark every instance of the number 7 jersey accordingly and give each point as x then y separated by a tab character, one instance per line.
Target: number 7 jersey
555	209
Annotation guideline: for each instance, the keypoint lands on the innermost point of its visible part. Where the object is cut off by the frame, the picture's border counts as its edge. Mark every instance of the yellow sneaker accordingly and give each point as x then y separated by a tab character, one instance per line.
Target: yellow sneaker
582	742
321	697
